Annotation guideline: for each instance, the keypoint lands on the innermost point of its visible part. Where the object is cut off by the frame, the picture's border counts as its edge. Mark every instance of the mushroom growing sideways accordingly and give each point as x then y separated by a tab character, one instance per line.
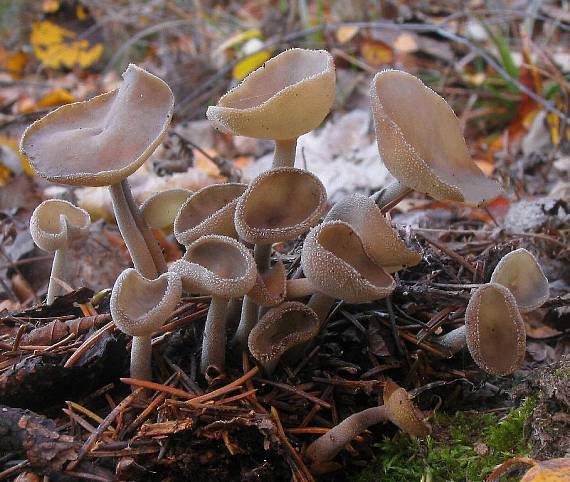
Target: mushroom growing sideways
54	225
420	141
100	142
139	307
288	96
397	409
223	268
160	210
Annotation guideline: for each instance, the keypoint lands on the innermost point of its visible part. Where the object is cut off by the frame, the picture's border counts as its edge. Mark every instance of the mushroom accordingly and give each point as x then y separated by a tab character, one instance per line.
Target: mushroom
160	210
520	272
278	205
223	268
494	331
338	265
421	144
288	96
281	329
54	225
139	307
100	142
397	409
208	211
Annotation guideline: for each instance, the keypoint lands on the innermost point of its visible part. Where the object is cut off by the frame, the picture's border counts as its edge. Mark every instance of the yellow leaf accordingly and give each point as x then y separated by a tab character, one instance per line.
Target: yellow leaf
15	64
50	6
54	97
5	174
243	68
554	124
81	13
346	34
376	53
555	470
11	144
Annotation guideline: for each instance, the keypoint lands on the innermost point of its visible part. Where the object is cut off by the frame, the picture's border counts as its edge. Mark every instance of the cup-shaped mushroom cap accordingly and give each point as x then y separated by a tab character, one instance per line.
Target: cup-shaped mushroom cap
160	210
520	272
270	287
140	306
281	328
54	223
288	96
217	265
494	330
381	241
105	139
279	205
402	412
337	264
208	211
420	141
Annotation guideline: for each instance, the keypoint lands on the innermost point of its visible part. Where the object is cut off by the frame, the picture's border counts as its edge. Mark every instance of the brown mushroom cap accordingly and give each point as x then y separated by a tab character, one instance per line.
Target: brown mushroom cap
494	330
520	272
160	209
337	264
217	265
280	329
279	205
208	211
54	223
288	96
270	287
381	241
421	144
105	139
140	306
402	412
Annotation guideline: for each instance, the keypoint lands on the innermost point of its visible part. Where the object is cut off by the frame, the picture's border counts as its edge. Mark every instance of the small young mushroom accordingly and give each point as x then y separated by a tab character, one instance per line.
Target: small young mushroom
494	331
281	329
288	96
223	268
520	272
139	307
397	409
100	142
54	225
420	141
337	264
208	211
278	205
160	210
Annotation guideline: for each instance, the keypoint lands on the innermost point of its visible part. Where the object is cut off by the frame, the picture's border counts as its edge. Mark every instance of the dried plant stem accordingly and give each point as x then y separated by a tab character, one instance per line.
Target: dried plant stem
57	273
141	354
134	240
214	342
328	445
284	155
390	196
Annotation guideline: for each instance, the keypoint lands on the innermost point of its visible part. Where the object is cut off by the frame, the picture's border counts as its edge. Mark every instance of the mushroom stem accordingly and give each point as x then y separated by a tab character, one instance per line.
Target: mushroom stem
299	288
143	227
328	445
57	273
453	341
134	240
141	354
262	256
214	342
321	304
390	196
284	155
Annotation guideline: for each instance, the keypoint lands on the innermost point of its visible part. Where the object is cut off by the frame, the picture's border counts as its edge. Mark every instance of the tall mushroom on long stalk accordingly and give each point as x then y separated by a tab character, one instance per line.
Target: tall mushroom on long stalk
420	141
102	141
288	96
223	268
54	225
139	307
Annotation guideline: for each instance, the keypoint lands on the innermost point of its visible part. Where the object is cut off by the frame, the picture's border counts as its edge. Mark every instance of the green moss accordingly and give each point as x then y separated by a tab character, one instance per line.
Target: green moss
450	454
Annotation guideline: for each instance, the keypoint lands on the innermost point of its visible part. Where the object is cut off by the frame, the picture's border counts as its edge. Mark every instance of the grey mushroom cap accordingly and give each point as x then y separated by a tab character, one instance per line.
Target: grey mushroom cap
160	209
140	306
421	144
217	265
103	140
520	272
288	96
55	223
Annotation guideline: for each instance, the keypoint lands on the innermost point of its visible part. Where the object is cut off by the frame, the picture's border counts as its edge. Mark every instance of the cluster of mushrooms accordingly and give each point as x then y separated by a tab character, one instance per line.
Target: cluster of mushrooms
228	230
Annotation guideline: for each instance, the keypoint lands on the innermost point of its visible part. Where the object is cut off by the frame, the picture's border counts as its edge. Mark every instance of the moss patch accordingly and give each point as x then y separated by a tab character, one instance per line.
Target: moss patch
465	446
